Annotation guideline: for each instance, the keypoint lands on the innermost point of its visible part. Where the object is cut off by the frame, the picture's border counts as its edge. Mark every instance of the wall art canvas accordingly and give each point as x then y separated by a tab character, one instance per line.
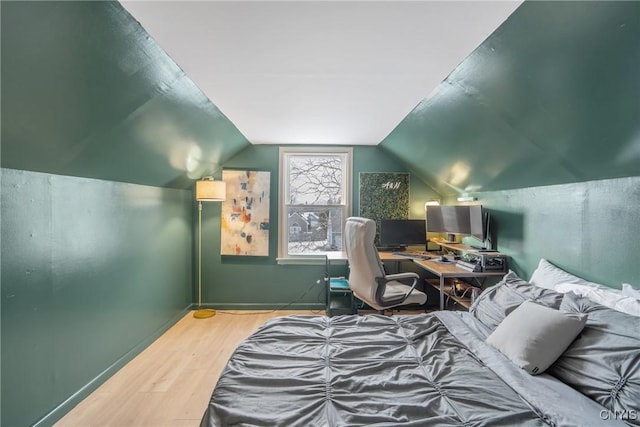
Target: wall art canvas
245	213
384	195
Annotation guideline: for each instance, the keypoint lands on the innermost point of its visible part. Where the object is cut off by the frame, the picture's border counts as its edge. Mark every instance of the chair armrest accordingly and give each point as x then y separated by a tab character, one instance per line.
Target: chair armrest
400	276
382	283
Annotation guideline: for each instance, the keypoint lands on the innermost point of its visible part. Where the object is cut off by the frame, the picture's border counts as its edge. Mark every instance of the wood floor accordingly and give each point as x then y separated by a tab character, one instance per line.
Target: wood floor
169	384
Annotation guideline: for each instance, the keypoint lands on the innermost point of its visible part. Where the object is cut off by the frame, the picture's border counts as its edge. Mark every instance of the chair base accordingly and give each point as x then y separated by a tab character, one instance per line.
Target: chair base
396	310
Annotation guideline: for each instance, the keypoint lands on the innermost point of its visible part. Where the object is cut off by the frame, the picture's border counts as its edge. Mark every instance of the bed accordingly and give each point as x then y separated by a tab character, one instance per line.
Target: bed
443	368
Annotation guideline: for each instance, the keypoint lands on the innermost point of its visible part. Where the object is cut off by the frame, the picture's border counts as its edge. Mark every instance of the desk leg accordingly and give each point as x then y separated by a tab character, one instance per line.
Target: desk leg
441	292
327	284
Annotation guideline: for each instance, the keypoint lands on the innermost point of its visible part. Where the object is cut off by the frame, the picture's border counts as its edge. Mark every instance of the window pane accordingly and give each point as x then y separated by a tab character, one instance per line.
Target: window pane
315	179
315	184
314	229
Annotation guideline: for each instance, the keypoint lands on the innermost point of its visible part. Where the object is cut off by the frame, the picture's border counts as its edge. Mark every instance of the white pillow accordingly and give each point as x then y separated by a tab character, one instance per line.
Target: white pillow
629	291
628	305
609	297
533	336
547	275
582	289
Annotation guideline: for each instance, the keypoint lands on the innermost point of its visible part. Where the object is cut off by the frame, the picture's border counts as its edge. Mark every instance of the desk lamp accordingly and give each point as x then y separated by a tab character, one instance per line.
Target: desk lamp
207	190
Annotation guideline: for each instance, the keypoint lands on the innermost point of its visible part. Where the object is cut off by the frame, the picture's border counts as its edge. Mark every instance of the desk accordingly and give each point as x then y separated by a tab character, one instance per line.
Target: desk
384	256
445	270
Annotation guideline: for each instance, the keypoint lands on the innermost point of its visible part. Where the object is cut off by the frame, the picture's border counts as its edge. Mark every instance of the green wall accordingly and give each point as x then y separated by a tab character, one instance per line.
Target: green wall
86	92
590	229
551	97
259	282
92	272
102	137
103	134
540	123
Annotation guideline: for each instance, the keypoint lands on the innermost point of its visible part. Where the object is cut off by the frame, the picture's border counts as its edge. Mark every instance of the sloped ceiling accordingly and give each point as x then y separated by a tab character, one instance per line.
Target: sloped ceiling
86	92
553	96
318	72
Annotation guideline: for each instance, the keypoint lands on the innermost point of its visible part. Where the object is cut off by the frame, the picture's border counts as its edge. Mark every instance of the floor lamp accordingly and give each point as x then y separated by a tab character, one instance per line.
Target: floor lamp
207	190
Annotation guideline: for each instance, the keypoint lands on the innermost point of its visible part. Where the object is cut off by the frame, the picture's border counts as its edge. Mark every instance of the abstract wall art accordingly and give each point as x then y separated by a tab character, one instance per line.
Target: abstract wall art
245	213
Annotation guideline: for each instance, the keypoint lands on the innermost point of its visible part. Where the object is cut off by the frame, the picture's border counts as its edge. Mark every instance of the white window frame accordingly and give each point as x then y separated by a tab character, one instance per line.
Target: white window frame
283	235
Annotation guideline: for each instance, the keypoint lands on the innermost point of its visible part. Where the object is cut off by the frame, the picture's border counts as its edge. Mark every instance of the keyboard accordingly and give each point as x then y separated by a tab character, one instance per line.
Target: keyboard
411	255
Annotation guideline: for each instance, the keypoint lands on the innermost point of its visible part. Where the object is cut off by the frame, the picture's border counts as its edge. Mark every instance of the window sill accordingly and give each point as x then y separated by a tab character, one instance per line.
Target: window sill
303	260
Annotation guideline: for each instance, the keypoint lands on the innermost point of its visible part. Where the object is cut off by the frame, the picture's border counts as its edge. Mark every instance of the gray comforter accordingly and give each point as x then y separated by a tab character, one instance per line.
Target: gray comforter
425	370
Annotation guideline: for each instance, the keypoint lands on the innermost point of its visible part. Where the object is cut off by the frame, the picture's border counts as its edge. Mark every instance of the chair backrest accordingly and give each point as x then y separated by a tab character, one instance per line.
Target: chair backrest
364	262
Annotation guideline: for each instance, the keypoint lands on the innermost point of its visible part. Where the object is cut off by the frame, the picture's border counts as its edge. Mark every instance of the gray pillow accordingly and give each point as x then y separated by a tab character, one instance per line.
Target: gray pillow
603	363
496	302
534	336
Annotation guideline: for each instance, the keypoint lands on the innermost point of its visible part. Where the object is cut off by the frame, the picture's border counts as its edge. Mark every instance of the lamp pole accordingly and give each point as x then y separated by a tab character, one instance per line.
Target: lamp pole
207	189
201	313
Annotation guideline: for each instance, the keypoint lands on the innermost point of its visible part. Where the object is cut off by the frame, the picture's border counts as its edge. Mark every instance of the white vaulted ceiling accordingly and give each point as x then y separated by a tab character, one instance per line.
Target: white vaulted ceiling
318	72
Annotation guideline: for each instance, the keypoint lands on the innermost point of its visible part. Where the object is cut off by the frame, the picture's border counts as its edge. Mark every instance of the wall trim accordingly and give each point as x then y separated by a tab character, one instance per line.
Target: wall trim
62	409
264	306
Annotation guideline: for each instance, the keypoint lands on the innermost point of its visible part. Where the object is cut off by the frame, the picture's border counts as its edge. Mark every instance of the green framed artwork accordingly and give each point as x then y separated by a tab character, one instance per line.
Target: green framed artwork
384	195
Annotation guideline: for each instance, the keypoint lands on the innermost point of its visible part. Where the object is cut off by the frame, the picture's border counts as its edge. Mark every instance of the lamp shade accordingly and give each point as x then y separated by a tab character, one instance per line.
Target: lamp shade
211	191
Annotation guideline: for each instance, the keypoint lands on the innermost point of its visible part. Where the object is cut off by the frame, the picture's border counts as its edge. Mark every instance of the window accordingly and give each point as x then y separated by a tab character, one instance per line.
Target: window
315	200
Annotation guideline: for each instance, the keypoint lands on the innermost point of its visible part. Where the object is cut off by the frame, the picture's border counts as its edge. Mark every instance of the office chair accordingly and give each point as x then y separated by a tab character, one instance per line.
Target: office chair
367	278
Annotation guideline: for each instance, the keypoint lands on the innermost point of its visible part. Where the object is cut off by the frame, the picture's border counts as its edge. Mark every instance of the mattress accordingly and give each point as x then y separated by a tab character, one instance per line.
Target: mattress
415	370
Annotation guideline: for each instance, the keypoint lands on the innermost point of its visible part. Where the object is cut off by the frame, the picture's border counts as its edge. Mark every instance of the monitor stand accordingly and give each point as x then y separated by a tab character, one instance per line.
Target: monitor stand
451	238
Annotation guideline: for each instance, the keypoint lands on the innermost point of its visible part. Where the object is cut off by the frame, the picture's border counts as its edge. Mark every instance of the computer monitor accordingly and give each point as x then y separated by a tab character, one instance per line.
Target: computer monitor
466	220
448	219
400	233
476	222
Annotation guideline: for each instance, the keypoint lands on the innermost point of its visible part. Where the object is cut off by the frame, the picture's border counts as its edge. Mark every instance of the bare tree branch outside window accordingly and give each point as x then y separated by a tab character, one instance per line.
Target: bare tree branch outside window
315	180
315	205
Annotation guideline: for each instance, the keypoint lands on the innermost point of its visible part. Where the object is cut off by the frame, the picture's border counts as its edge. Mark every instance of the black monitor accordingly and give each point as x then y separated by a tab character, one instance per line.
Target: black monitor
400	233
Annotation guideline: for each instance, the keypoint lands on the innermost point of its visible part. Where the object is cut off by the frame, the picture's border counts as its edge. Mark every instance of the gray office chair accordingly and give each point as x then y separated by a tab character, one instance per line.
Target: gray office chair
367	278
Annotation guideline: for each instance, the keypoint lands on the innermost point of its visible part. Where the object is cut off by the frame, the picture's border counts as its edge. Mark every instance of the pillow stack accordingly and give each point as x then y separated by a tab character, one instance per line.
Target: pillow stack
546	275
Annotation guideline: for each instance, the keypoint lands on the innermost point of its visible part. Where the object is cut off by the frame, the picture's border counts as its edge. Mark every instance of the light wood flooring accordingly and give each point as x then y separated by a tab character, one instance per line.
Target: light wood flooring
169	384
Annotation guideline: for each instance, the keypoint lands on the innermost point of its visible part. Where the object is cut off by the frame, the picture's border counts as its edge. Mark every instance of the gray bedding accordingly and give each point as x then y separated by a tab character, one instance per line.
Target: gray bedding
424	370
